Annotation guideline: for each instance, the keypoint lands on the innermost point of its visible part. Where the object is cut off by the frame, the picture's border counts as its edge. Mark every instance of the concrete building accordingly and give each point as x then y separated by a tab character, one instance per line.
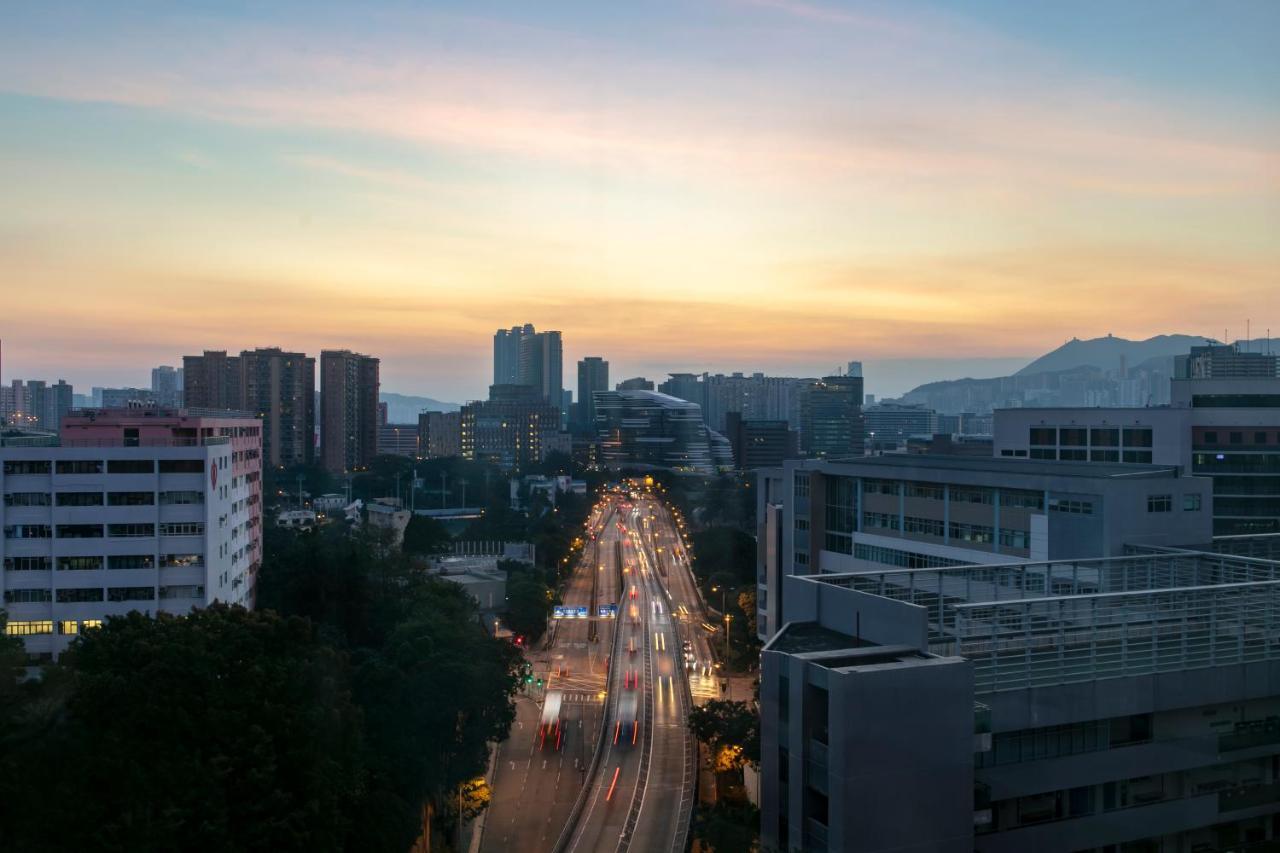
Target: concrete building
440	434
389	516
542	366
920	511
1223	361
646	429
506	354
349	410
831	418
399	440
759	444
154	510
593	376
166	386
280	388
636	383
514	428
887	426
127	398
211	380
1226	429
1122	703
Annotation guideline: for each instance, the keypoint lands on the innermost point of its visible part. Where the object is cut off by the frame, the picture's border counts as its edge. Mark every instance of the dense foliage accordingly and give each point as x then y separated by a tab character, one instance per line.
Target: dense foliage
728	726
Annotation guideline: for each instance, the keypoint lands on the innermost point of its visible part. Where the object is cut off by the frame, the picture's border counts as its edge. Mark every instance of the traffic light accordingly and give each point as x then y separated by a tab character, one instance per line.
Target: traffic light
519	640
539	682
528	679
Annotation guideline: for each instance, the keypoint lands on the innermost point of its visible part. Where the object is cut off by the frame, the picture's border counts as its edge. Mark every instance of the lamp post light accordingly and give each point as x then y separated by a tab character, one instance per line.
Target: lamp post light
728	620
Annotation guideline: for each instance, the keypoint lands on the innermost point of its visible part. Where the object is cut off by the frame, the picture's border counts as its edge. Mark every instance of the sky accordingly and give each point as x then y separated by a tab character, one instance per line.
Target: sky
778	185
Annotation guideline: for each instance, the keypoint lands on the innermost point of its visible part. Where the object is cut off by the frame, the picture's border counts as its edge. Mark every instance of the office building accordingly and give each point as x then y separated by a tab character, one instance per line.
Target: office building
349	410
398	440
156	510
759	444
211	380
166	386
593	376
854	368
440	434
514	428
542	366
636	383
646	429
506	354
920	511
1117	703
683	386
1224	361
280	388
887	426
756	397
831	418
127	398
1225	429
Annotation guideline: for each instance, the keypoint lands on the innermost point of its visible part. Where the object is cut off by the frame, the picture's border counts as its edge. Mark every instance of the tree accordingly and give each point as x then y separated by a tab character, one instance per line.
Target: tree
731	729
426	536
529	604
224	729
728	828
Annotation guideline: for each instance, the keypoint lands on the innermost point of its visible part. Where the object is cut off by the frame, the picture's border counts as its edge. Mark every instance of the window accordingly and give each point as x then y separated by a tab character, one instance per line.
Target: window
880	487
922	526
1044	435
1236	437
130	531
130	498
29	628
131	466
1259	438
1135	728
79	564
28	531
1043	453
930	491
27	499
880	520
131	561
1104	455
1137	437
27	596
1014	538
28	564
182	591
181	561
1073	454
86	624
962	494
801	558
802	525
977	533
181	466
1159	503
26	466
131	593
79	499
1073	436
1104	437
182	528
79	595
802	484
1020	499
1191	503
903	559
79	466
1074	507
68	626
181	498
1211	438
79	531
1138	457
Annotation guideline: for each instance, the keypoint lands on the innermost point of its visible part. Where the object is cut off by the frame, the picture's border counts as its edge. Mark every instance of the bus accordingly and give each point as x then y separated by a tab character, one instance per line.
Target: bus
551	731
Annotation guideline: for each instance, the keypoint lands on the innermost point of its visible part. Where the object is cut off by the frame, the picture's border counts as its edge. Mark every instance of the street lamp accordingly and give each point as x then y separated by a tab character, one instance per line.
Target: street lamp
728	619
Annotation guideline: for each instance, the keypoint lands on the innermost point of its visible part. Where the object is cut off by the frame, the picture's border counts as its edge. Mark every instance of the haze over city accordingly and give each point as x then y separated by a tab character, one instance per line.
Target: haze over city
718	185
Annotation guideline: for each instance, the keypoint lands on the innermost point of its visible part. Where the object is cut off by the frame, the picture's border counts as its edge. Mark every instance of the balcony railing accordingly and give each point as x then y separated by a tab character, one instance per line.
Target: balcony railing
1234	799
206	441
1247	735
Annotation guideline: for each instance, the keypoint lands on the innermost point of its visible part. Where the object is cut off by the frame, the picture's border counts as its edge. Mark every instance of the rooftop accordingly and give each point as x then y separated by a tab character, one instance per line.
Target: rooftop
806	637
1002	465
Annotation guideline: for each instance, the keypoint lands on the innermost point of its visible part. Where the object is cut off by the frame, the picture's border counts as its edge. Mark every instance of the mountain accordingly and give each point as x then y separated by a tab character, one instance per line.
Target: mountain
404	409
1106	353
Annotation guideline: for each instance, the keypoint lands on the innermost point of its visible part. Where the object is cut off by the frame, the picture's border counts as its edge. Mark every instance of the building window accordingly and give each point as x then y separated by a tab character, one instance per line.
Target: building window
79	466
131	466
68	626
182	591
802	525
131	498
1159	503
1104	455
1104	437
1020	499
802	484
79	499
1044	453
181	466
1191	503
79	595
880	487
1138	457
27	596
1044	435
1015	538
1137	437
28	564
930	491
801	558
963	494
29	628
27	499
903	559
922	526
131	561
79	564
26	466
181	498
1236	437
130	531
880	521
131	593
1073	437
182	528
1073	507
182	561
79	531
1211	437
1073	455
976	533
28	531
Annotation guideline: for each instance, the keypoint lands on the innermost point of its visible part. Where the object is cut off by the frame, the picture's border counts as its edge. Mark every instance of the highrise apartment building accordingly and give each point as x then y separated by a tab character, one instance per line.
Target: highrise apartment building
831	423
211	380
440	434
349	410
593	376
542	366
155	510
506	354
514	428
280	387
166	386
887	426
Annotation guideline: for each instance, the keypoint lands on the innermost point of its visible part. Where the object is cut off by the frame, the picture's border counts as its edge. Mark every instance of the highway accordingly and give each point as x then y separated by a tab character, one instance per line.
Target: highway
633	789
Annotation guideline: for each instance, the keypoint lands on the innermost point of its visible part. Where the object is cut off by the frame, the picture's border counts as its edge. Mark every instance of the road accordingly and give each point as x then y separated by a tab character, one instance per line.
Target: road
638	793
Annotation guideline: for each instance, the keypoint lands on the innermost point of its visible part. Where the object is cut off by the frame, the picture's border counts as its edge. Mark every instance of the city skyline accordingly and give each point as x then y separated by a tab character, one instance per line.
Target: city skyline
660	184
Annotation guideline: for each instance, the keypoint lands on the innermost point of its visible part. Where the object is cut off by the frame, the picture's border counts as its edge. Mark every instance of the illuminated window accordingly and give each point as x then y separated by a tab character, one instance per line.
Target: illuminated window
68	626
29	628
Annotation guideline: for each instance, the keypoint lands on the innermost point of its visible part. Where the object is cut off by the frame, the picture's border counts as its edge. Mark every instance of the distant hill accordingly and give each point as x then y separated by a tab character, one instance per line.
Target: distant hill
1105	353
404	409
